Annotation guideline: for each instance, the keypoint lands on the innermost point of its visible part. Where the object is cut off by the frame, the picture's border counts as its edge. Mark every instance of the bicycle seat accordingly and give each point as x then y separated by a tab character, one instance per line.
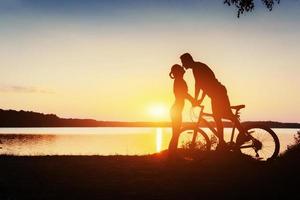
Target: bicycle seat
238	107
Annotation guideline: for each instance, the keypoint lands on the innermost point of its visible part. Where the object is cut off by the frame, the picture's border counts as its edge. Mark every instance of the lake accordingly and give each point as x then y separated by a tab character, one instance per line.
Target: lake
98	141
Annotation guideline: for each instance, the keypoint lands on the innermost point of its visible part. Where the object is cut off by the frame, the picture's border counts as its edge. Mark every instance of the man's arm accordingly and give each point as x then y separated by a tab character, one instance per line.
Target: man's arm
190	98
197	91
202	97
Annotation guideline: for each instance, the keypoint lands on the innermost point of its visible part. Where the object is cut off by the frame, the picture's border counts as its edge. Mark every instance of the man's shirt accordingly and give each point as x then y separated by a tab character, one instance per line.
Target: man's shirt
205	79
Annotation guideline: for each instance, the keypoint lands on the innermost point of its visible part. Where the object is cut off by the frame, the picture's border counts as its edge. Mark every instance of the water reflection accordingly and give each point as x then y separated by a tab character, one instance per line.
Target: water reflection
100	142
96	141
158	139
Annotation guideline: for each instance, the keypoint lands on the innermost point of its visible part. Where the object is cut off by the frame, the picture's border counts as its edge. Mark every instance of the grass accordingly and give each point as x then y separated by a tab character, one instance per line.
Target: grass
216	176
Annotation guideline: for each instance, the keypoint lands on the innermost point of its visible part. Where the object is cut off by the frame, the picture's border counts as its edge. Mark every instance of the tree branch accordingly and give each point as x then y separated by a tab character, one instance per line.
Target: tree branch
248	5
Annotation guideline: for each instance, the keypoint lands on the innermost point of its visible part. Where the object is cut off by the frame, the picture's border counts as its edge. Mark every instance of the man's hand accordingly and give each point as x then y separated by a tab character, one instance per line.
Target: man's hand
199	102
191	99
194	103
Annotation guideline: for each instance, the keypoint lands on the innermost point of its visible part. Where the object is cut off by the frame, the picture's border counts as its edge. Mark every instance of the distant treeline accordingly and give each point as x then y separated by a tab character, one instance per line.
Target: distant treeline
13	118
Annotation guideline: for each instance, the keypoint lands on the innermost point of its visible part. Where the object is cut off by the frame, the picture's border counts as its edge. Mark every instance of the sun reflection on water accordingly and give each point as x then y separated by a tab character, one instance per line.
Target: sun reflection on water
158	139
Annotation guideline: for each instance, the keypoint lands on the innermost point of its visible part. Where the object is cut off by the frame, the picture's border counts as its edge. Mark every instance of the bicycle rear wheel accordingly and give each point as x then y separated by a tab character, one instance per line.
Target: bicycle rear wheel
193	142
264	144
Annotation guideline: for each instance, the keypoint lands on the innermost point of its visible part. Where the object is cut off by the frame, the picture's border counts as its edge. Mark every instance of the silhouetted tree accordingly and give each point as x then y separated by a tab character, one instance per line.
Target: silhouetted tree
248	5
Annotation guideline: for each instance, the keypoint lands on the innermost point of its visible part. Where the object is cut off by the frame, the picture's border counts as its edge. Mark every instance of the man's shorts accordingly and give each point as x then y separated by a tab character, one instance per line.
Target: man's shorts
220	103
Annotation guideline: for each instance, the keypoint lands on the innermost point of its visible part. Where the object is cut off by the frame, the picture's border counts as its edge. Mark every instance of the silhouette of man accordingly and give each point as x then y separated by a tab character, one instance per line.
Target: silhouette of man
206	81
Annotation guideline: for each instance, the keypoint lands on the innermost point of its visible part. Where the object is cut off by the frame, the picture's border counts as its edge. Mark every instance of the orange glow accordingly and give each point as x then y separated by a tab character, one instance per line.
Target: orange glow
96	75
159	111
158	139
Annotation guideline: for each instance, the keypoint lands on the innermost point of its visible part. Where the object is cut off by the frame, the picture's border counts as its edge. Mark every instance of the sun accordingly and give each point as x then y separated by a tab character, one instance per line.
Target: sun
159	111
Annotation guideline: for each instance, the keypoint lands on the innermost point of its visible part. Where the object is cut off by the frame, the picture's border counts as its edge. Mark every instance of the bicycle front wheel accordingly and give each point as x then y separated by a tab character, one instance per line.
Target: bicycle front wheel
264	144
193	142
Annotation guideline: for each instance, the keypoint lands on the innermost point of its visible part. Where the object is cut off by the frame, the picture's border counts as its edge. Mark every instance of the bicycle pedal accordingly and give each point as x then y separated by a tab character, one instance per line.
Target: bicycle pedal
188	158
258	158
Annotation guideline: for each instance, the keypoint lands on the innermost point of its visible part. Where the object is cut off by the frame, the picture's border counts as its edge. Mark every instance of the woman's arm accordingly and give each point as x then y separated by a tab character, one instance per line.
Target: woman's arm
190	98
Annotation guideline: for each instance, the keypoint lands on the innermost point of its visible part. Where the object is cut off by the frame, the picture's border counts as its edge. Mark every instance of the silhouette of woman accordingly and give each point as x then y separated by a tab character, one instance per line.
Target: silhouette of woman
180	90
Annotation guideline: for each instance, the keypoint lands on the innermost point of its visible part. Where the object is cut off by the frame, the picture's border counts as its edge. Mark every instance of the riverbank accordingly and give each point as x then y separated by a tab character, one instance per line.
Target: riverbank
29	119
217	175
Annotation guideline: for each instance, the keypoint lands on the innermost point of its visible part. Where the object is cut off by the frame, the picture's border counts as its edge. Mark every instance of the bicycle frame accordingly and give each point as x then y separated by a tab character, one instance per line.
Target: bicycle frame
252	139
207	124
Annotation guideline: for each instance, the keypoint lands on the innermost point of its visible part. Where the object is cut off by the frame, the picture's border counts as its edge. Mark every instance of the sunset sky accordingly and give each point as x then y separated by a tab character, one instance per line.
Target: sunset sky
110	60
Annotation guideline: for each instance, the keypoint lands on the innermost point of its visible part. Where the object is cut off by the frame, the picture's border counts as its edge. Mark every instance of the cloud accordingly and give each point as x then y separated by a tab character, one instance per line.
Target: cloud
24	89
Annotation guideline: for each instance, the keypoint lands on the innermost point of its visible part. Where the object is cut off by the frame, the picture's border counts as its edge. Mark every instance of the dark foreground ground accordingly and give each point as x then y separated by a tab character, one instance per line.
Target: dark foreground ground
217	176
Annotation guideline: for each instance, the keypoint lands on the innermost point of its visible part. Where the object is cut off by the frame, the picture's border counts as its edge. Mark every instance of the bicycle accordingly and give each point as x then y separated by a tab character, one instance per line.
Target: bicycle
262	144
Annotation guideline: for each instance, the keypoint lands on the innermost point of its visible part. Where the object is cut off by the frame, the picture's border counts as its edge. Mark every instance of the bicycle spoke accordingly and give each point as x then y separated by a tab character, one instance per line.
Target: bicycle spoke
267	151
264	140
192	142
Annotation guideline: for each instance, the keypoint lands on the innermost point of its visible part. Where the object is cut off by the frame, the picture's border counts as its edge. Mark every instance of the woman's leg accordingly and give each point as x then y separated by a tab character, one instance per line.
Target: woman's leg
175	137
176	116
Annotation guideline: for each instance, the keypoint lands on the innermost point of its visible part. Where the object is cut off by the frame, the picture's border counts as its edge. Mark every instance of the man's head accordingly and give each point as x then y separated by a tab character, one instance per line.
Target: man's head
187	60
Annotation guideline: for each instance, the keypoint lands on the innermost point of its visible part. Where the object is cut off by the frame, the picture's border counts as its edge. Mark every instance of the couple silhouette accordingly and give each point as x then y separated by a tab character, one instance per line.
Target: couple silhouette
206	82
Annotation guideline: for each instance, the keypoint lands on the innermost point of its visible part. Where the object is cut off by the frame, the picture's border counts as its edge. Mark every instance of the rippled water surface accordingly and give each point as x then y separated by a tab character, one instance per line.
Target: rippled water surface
97	141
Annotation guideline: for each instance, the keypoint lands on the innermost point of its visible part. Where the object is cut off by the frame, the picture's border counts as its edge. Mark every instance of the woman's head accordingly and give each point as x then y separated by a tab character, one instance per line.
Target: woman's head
177	71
